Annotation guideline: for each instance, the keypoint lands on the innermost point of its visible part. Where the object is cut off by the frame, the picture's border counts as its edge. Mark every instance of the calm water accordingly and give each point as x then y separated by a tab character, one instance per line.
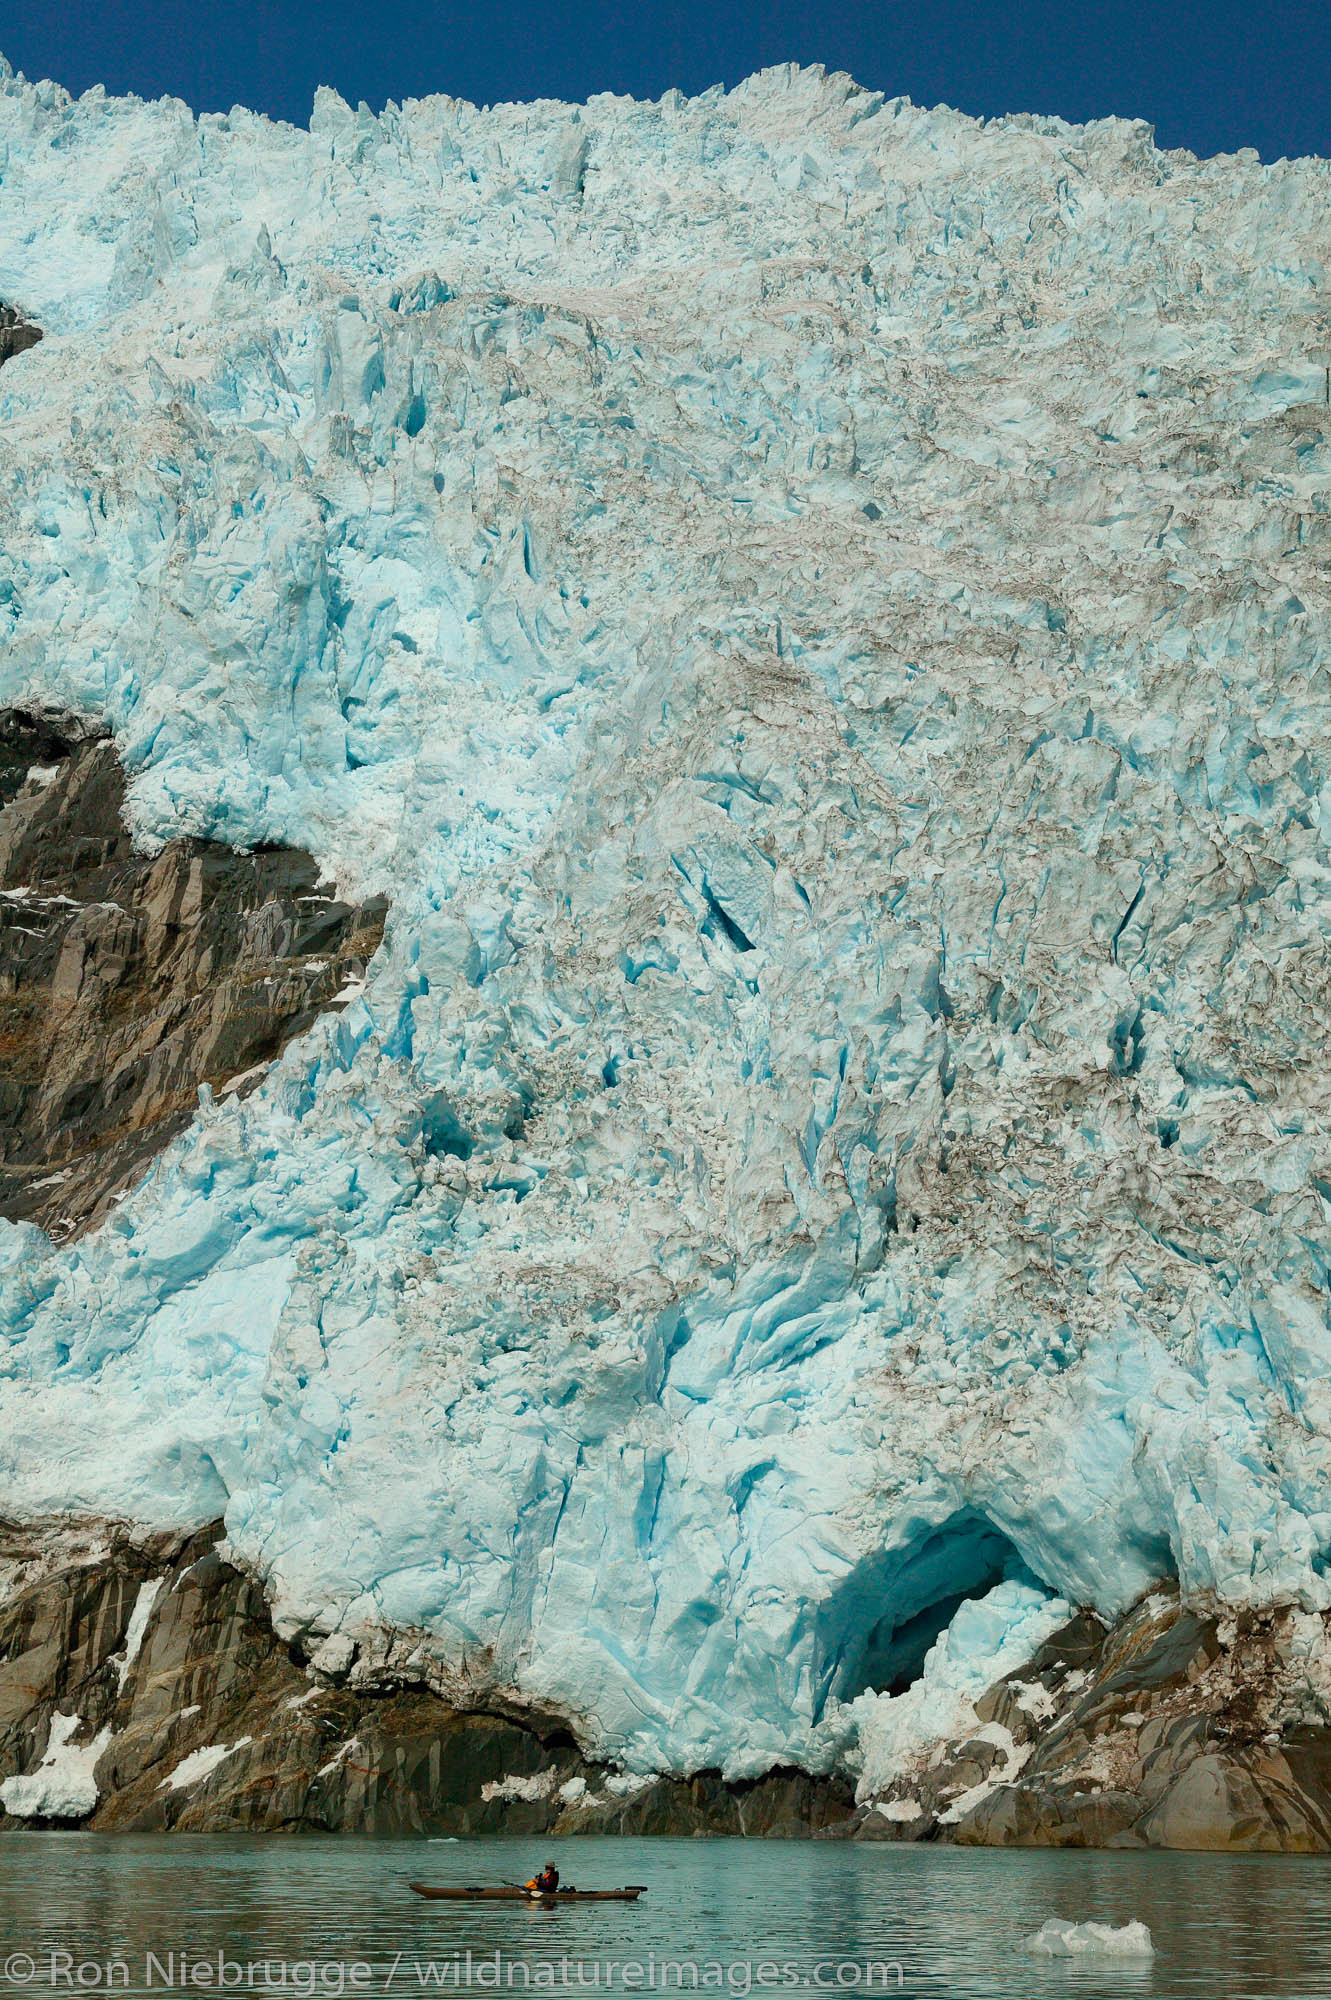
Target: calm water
330	1914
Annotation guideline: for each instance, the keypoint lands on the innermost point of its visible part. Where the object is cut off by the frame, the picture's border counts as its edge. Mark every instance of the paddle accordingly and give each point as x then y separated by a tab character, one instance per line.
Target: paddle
477	1889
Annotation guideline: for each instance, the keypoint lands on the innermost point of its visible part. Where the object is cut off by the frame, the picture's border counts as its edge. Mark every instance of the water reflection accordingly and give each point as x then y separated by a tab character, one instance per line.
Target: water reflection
326	1916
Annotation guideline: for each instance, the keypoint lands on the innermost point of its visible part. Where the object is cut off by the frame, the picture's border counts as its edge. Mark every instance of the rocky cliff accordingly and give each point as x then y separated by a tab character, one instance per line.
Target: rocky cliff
1173	1728
17	334
128	982
142	1688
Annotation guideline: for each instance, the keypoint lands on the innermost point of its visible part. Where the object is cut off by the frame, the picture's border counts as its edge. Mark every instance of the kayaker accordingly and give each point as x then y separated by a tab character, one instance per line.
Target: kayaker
547	1882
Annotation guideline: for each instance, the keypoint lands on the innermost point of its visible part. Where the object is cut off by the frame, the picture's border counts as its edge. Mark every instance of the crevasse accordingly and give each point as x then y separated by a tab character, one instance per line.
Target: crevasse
815	610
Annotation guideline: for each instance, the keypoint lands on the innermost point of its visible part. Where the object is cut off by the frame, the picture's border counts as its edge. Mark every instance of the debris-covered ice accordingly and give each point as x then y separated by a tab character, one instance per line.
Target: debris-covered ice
816	612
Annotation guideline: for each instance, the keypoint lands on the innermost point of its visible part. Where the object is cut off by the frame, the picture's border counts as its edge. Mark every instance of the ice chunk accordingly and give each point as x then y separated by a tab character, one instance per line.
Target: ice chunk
540	1785
1056	1938
62	1786
333	1656
987	1638
624	1784
900	1811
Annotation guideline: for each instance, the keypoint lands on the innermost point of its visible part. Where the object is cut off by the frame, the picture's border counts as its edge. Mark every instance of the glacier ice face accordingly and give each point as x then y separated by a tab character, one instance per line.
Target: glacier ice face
989	1636
815	610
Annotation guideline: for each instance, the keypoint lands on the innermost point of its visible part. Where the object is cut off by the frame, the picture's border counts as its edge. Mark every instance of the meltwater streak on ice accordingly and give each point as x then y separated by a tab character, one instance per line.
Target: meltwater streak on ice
953	1918
815	610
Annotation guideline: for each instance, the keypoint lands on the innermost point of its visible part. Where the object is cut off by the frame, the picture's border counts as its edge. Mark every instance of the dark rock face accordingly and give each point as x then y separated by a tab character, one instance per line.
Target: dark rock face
1172	1729
788	1805
125	982
303	1753
16	334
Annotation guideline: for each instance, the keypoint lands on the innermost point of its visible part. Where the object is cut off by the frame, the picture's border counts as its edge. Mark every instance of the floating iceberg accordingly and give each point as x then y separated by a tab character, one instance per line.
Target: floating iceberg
1056	1938
815	611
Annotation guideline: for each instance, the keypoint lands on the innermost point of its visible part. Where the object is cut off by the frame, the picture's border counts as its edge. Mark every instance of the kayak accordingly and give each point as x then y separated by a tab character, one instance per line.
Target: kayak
506	1894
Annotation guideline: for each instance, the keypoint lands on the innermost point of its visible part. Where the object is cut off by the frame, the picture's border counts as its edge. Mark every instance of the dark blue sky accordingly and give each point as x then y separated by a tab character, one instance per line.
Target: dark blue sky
1209	74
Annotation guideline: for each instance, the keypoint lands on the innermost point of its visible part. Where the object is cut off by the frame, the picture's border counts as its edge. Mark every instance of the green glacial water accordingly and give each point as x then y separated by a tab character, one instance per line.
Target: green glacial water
313	1917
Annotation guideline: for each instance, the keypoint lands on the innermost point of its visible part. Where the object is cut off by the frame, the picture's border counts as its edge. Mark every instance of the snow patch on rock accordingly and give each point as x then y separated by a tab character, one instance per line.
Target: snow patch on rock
340	1755
62	1786
200	1764
137	1627
1013	1756
900	1811
890	1735
541	1785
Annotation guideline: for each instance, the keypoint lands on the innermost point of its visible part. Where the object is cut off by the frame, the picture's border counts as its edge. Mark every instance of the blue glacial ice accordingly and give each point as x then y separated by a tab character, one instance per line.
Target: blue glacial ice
816	613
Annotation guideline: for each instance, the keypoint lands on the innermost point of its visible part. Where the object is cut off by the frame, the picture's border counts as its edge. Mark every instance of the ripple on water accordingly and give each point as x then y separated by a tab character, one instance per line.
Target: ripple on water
303	1912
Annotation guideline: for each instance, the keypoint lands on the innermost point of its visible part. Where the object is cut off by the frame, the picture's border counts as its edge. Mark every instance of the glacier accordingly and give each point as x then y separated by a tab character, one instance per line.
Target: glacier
815	612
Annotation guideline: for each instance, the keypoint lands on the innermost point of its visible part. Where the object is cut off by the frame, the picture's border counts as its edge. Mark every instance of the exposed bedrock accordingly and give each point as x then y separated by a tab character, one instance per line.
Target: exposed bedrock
16	333
142	1687
1172	1728
127	980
